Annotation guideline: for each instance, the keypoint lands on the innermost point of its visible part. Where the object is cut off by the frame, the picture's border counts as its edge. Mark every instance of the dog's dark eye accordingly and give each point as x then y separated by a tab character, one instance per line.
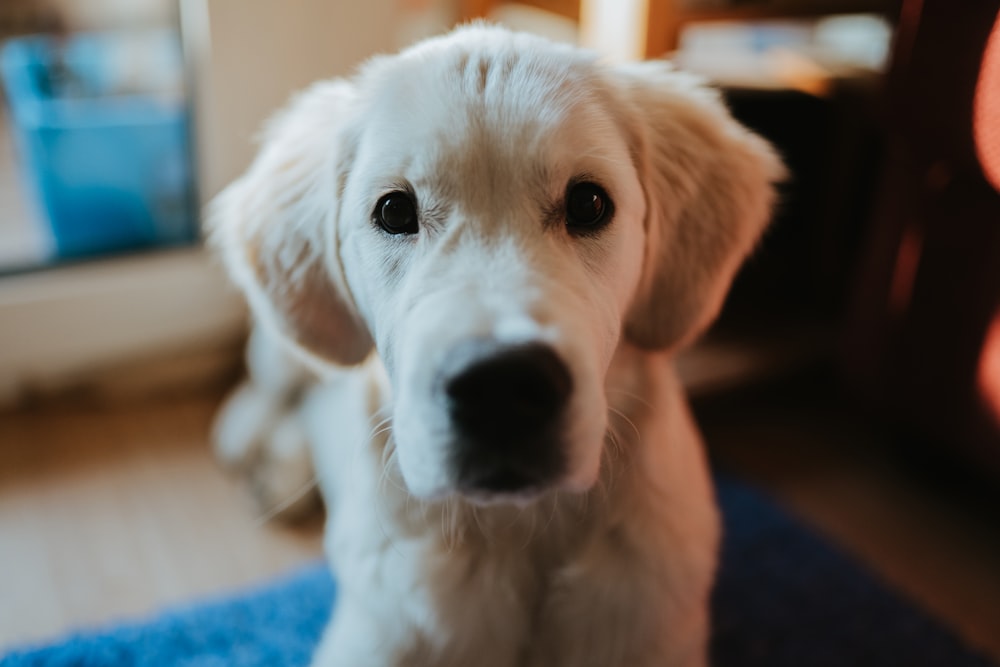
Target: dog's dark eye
587	207
396	213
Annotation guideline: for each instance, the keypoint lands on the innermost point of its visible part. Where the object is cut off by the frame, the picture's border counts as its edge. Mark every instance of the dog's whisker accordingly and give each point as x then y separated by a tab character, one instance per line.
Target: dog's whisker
443	519
388	451
553	506
615	455
389	462
610	456
479	524
379	495
287	502
449	524
630	394
624	417
453	525
614	445
381	426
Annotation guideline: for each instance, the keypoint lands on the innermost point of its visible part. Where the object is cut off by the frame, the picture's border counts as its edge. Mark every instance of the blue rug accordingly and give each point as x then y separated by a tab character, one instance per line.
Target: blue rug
785	598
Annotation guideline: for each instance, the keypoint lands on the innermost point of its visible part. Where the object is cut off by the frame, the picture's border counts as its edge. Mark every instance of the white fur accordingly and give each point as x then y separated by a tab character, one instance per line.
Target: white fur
611	565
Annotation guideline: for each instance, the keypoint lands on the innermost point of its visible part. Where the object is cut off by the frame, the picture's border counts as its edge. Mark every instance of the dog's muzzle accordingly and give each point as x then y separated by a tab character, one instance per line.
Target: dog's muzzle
507	410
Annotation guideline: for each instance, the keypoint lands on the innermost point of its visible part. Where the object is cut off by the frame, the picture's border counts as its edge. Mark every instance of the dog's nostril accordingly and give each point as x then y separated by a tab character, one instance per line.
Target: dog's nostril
520	389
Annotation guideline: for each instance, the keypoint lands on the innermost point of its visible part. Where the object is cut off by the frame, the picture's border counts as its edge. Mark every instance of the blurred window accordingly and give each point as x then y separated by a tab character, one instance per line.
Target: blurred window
95	131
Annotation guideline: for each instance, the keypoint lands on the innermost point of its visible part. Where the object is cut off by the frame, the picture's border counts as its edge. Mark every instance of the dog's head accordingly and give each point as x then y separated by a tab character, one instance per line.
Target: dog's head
494	214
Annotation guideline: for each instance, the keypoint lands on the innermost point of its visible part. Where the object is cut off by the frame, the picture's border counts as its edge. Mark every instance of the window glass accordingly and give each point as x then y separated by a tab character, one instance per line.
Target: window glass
95	128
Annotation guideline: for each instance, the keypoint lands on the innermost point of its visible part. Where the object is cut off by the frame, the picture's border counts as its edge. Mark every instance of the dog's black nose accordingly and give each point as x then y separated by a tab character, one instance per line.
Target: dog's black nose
507	412
516	391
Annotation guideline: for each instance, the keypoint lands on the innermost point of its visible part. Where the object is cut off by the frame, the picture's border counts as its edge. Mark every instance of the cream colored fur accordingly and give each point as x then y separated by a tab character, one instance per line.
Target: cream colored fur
612	565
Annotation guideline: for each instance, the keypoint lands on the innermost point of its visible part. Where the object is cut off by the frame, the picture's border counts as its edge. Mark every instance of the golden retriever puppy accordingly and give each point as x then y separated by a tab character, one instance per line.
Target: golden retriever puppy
488	249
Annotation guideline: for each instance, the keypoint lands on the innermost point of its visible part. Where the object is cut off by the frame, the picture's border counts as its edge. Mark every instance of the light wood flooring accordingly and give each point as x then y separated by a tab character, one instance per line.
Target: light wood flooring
109	513
113	512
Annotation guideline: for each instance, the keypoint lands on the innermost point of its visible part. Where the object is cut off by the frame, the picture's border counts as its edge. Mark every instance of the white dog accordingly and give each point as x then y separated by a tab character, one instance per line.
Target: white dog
489	248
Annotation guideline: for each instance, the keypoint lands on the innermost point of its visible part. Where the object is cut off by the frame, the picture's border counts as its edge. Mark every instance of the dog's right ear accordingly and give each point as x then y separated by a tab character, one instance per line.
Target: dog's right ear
710	187
276	227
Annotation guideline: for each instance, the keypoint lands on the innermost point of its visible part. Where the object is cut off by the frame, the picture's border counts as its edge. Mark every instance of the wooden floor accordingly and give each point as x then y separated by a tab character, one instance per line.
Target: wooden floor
114	512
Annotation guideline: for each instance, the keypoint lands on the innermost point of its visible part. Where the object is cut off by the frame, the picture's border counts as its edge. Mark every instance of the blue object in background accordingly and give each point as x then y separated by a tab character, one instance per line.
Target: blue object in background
106	156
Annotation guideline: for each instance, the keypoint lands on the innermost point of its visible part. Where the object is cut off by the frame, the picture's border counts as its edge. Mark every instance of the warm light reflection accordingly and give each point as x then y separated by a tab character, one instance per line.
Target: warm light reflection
989	367
987	112
905	271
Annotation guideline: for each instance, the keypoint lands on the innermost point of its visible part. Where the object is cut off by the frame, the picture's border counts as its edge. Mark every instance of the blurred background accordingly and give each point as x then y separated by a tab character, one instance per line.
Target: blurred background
854	374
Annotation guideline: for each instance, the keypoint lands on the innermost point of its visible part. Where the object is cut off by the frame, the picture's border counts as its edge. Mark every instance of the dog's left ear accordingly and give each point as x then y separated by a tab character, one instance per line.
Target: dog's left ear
709	186
277	227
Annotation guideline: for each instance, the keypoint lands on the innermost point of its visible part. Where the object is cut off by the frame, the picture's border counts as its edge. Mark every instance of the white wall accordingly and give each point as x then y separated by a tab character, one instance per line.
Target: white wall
250	55
109	14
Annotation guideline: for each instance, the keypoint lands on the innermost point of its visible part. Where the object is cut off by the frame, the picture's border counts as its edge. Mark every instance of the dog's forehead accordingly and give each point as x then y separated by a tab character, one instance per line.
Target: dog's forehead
507	83
500	112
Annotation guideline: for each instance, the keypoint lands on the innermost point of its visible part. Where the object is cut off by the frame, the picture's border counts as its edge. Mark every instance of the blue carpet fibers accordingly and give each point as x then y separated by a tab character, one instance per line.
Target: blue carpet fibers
785	598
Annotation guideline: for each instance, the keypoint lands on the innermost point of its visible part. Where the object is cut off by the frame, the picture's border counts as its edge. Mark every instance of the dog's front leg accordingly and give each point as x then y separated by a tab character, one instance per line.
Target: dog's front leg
357	638
342	419
258	430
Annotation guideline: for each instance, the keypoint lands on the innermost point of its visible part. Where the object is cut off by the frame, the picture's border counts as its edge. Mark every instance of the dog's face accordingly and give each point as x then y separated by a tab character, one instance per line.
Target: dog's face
492	238
495	214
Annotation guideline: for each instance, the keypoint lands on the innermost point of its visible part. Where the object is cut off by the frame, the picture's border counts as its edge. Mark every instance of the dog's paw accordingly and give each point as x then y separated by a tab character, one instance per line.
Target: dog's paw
281	474
259	436
244	422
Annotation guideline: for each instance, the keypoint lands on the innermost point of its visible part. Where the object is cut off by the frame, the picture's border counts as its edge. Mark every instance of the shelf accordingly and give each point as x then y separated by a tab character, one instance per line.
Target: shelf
785	9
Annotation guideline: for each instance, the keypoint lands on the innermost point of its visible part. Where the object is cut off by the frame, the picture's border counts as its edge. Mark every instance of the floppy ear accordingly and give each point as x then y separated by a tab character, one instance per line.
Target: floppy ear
276	227
709	190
